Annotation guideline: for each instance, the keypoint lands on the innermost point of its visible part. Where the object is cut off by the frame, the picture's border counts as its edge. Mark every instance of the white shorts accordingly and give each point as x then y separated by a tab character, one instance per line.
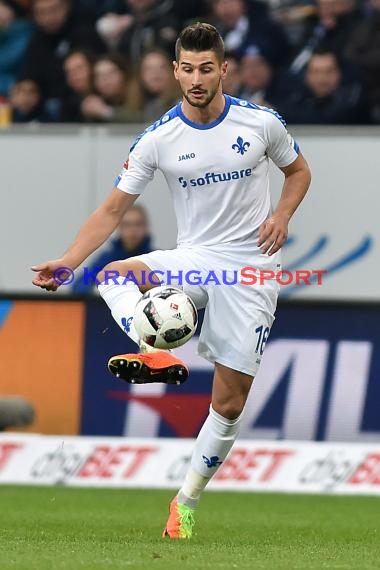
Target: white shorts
238	317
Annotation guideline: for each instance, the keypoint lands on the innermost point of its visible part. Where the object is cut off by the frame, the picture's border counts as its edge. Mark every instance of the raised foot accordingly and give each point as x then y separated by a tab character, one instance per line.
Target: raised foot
147	368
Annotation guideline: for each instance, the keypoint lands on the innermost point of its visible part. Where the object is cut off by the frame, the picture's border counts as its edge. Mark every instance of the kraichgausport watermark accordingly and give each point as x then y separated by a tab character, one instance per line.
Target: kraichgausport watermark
63	276
246	276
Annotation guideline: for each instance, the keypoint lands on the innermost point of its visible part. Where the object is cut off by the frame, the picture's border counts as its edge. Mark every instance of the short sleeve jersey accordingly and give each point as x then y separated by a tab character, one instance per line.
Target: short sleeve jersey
217	173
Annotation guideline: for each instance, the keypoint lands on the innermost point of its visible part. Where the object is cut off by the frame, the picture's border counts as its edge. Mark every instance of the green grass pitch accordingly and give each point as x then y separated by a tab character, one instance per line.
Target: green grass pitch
53	528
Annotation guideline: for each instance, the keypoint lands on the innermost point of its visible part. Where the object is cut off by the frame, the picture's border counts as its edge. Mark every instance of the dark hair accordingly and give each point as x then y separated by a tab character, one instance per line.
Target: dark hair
200	37
118	60
324	51
89	56
156	50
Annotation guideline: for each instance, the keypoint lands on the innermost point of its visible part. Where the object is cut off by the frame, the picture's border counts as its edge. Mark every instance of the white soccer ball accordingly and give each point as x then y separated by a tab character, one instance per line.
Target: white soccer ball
165	317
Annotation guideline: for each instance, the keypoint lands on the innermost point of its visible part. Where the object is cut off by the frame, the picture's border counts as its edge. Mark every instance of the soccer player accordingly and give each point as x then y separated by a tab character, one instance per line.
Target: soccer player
214	152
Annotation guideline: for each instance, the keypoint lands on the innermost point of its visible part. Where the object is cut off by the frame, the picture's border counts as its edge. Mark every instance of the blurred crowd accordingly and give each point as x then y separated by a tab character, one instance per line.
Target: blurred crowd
103	61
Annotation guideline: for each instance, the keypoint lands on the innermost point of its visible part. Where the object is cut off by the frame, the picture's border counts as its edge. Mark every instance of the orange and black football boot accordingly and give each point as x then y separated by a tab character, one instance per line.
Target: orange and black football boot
148	367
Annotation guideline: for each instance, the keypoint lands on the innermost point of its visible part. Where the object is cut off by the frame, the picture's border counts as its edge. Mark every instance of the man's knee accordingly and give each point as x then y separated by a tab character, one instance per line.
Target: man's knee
230	409
121	272
109	273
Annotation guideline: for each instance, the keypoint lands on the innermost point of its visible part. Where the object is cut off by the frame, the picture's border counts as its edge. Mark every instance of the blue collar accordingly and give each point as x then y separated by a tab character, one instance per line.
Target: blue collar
200	126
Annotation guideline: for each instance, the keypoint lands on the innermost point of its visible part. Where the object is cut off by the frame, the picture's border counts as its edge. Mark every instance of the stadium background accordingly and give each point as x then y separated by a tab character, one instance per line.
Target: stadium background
64	175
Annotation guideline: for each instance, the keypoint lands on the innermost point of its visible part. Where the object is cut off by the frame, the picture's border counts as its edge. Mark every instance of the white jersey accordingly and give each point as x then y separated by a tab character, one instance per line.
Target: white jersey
217	173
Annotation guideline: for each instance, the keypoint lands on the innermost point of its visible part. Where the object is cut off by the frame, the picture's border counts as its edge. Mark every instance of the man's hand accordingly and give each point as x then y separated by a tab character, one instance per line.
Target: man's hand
51	274
93	233
273	234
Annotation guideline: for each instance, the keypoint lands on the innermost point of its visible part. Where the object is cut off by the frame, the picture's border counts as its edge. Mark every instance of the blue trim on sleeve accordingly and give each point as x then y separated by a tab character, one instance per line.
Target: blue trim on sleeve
296	147
168	116
248	105
215	123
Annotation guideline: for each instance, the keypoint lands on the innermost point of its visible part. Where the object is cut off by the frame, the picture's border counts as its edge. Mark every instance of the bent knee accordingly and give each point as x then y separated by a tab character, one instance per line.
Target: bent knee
109	273
128	270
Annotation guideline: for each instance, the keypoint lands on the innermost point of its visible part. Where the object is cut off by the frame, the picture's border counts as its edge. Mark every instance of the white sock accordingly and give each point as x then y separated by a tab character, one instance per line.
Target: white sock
192	488
213	443
122	300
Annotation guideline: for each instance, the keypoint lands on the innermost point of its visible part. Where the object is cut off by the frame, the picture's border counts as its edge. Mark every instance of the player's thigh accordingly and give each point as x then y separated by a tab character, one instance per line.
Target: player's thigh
132	269
237	323
173	267
178	268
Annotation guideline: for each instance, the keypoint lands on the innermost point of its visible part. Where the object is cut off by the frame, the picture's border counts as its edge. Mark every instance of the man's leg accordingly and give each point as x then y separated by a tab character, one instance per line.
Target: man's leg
229	395
121	294
121	288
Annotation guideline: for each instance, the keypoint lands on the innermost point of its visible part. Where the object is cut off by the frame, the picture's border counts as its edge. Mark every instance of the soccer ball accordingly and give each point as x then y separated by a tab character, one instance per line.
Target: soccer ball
165	317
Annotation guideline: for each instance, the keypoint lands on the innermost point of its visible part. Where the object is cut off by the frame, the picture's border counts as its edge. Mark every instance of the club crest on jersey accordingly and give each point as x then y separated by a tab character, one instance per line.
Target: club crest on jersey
240	146
186	156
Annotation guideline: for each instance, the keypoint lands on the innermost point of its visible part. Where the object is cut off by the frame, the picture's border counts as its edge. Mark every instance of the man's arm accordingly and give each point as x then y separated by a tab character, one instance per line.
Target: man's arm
274	231
98	227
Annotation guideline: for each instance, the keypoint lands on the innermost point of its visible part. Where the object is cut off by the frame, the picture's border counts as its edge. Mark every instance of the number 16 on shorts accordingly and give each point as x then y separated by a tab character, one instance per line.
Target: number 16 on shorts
262	337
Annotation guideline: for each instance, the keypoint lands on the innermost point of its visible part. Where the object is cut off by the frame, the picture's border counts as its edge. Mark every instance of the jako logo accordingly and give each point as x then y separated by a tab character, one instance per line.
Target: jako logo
215	178
186	156
212	461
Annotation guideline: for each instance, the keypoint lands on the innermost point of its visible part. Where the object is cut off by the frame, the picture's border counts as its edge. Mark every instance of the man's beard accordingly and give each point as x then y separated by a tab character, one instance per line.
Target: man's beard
202	104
